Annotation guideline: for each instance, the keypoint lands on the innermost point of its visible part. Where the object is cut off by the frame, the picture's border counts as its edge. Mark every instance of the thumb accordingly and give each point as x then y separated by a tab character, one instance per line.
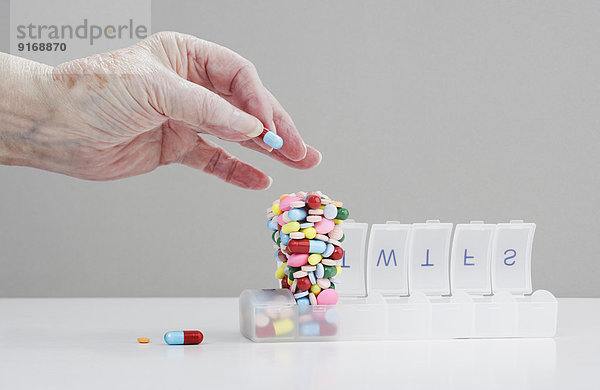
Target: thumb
207	112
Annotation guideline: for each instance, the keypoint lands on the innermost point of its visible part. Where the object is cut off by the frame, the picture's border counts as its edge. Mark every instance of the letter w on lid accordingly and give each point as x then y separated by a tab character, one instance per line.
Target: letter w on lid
387	261
428	258
511	257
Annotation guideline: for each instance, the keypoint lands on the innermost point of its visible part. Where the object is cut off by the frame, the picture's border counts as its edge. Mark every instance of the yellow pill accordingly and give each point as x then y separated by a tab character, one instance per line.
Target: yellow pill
338	221
315	289
275	209
279	274
309	232
322	206
315	259
290	227
290	281
143	340
339	270
283	326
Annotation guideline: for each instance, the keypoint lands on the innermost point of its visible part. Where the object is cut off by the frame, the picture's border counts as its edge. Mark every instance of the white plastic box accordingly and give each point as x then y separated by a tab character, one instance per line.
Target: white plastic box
477	291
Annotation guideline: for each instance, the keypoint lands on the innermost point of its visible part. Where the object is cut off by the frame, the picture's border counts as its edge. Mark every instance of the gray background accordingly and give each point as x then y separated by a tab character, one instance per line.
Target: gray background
423	110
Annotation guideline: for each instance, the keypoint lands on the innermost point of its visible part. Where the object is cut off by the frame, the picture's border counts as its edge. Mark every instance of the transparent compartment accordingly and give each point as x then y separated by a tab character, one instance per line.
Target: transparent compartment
273	316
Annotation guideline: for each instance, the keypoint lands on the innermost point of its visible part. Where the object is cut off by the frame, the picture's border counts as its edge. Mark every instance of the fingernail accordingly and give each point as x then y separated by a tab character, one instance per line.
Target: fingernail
270	183
320	159
245	124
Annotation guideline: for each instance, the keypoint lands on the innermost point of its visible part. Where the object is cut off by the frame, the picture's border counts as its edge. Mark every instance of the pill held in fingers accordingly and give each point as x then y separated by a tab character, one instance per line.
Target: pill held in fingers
271	139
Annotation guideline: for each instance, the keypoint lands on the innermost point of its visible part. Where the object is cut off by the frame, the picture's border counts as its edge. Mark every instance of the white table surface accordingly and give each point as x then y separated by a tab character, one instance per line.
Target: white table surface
86	343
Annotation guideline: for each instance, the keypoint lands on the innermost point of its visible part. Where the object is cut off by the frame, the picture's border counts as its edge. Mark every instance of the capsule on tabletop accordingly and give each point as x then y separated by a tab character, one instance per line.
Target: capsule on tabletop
184	337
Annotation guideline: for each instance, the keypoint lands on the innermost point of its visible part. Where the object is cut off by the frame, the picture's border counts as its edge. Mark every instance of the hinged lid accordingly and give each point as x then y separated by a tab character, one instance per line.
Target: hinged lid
428	258
387	258
352	278
470	262
511	257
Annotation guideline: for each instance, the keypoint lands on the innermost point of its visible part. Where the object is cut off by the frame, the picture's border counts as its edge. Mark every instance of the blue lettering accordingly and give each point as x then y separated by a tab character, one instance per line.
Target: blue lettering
387	260
427	263
512	256
468	257
344	262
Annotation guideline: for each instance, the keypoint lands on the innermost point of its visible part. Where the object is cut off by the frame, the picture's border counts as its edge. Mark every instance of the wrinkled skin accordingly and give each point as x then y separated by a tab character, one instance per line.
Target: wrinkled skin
126	112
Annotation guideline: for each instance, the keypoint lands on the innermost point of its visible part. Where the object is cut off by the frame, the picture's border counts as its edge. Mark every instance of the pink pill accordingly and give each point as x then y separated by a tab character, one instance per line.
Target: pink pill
298	259
284	205
327	297
280	220
336	233
324	226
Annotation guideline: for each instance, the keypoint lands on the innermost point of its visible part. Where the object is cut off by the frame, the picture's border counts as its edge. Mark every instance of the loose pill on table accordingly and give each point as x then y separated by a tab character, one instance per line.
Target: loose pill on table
187	337
143	340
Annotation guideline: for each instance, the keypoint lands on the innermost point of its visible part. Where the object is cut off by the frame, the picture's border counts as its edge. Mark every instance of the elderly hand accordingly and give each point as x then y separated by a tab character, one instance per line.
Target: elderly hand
126	112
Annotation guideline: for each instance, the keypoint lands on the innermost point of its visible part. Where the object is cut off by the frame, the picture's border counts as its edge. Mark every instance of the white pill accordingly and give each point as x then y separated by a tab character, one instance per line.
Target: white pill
323	283
315	212
313	218
330	211
297	204
296	235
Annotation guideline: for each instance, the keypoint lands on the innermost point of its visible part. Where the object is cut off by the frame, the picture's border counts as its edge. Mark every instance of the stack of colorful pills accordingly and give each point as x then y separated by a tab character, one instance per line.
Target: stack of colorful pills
307	232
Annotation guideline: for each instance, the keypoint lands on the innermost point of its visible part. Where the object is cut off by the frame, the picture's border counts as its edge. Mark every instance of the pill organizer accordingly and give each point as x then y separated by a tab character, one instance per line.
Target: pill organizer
416	281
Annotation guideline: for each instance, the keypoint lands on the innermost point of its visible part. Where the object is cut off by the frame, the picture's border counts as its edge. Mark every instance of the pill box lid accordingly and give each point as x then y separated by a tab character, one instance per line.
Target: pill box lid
511	257
472	282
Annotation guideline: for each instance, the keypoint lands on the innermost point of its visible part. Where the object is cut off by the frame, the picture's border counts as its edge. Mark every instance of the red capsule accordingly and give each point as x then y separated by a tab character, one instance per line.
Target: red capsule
284	283
281	256
313	201
299	246
303	284
337	254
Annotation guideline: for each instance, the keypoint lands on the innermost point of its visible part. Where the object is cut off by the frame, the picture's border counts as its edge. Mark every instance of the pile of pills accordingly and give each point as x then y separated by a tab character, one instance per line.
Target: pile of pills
307	232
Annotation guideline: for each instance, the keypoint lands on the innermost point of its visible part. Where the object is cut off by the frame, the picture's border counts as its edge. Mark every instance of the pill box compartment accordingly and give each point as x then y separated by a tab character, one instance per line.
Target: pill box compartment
273	316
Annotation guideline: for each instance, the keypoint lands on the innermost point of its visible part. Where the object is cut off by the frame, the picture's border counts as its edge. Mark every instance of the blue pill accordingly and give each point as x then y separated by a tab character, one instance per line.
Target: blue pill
272	224
317	246
285	238
303	301
309	329
328	250
320	271
174	338
296	214
311	277
273	140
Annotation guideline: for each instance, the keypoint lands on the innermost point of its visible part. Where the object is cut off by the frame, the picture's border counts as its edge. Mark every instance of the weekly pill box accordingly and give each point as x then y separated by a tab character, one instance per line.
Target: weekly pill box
416	281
